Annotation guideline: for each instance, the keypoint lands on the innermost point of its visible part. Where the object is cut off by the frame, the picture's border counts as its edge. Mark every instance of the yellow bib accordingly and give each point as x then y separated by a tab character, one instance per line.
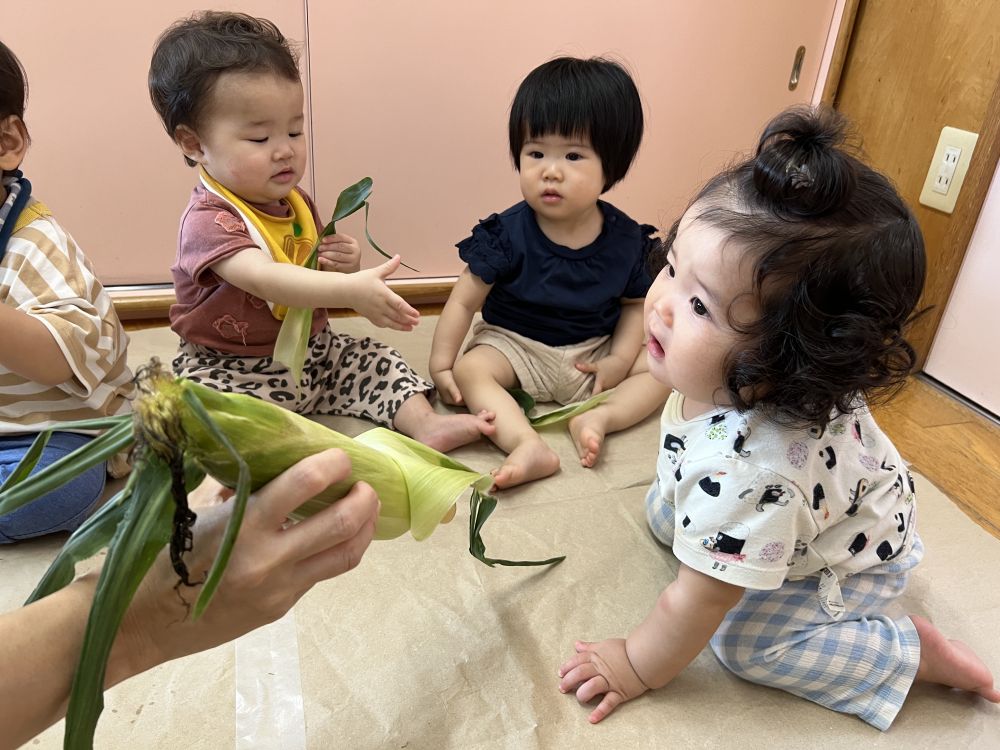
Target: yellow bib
287	239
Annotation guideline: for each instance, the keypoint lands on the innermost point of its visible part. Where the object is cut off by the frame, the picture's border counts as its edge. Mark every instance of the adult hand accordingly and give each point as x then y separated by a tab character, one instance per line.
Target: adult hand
339	252
272	565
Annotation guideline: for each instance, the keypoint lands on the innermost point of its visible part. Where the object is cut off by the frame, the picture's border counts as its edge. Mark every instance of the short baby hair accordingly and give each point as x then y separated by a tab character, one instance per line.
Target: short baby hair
568	96
190	56
838	266
13	84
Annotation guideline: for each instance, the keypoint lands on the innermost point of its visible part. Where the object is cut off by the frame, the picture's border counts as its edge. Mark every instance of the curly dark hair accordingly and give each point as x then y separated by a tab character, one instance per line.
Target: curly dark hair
838	267
190	56
571	96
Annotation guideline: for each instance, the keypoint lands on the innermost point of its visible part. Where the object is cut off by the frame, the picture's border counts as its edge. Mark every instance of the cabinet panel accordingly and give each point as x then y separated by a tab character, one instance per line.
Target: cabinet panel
416	95
99	156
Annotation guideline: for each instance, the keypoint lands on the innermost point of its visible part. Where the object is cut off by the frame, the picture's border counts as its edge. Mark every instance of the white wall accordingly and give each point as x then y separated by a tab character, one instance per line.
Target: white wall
965	355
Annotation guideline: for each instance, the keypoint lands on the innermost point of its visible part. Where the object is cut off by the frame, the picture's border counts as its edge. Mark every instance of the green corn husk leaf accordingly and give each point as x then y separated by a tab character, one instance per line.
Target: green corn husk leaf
143	532
480	508
556	416
293	336
20	488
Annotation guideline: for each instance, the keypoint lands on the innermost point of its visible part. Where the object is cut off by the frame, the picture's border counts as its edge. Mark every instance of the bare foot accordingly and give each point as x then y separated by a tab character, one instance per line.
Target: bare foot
532	459
445	432
587	431
951	663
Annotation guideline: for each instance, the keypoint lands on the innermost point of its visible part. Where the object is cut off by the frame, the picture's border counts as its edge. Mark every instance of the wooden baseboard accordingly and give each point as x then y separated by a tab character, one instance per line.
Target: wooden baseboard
132	304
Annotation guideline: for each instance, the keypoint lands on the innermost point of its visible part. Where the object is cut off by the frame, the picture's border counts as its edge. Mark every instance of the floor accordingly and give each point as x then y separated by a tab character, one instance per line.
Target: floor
951	444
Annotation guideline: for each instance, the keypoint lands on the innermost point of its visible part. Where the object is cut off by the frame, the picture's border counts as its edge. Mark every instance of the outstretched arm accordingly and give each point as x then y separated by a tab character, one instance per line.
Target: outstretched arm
287	284
686	615
625	344
270	568
465	300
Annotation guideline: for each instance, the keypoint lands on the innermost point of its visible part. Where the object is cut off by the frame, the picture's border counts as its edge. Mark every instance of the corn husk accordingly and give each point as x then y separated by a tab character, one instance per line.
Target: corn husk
555	416
293	336
183	431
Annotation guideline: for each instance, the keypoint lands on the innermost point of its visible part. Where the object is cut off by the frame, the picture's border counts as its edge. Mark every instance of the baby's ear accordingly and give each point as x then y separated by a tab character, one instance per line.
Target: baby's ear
13	142
190	144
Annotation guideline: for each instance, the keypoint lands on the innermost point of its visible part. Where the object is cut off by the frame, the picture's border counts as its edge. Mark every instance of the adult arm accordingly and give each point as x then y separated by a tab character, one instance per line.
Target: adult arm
28	348
465	300
270	569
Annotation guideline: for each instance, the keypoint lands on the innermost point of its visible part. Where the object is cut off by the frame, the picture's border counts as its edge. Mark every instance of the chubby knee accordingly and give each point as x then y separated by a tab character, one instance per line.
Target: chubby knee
483	363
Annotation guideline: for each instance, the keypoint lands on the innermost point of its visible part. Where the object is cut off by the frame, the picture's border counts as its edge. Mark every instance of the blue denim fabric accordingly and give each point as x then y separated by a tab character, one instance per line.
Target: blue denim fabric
63	509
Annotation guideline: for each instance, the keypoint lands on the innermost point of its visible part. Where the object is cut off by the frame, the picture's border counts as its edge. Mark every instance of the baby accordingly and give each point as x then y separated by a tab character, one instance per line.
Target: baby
559	277
227	89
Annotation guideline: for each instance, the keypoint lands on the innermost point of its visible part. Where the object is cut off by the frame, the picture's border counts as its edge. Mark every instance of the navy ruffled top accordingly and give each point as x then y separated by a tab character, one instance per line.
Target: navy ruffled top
552	293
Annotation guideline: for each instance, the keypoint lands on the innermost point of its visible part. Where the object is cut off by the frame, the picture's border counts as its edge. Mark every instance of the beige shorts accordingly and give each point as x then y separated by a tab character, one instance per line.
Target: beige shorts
545	372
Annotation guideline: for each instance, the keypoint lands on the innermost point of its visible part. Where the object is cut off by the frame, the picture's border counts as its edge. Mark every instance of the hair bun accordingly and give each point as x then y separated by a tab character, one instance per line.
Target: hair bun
800	164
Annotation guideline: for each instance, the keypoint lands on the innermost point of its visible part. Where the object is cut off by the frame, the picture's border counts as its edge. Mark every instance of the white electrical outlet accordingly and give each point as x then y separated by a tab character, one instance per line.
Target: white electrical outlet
948	168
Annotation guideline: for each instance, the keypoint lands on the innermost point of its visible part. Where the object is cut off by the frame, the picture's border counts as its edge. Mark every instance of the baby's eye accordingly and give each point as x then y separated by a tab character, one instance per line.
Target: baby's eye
573	156
294	135
535	155
699	307
669	269
258	140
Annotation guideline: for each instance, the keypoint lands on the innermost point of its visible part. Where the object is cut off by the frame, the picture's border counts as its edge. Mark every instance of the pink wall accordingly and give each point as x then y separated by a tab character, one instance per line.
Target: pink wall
413	94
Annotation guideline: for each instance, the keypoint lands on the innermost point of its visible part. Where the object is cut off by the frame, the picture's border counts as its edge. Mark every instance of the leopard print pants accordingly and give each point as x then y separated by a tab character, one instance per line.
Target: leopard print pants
342	375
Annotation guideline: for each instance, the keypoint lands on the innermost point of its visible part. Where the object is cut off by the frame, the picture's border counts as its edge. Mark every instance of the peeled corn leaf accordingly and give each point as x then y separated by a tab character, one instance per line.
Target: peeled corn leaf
21	488
556	416
143	532
293	336
480	508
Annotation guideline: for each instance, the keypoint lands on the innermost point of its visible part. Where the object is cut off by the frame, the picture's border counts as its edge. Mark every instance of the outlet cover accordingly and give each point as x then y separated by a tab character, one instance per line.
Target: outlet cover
948	167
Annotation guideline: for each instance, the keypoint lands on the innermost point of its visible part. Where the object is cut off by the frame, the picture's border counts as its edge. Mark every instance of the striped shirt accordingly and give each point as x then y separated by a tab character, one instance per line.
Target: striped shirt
45	275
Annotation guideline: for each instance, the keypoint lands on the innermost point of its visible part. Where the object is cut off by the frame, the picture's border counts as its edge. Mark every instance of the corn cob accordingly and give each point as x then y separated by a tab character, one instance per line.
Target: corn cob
183	431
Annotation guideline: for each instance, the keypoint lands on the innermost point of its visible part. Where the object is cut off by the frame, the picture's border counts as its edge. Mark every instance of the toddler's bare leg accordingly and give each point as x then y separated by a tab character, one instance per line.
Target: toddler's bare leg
951	663
442	432
635	398
483	375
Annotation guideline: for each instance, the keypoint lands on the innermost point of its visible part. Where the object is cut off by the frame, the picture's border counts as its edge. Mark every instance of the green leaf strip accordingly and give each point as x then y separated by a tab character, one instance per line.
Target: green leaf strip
101	448
143	532
480	508
379	250
239	503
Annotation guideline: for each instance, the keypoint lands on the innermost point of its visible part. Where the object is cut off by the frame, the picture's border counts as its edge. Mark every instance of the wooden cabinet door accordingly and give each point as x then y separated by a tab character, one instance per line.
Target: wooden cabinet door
416	95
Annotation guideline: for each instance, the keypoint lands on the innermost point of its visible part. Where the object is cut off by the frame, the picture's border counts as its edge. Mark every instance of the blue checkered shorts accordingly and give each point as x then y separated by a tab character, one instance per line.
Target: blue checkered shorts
862	663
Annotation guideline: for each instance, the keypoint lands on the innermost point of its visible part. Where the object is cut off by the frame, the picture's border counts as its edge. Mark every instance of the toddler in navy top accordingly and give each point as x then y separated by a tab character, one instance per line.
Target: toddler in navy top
559	277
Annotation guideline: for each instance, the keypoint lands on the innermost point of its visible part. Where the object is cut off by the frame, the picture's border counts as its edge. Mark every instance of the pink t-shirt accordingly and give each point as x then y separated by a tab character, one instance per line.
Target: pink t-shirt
209	311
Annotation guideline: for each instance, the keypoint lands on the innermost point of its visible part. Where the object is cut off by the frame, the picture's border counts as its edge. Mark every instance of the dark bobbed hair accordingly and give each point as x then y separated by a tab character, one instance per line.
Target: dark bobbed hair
13	84
190	56
569	96
838	267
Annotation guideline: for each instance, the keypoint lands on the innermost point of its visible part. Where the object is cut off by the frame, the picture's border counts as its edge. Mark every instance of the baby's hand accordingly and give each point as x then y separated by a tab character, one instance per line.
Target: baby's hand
444	381
377	302
601	668
608	371
339	252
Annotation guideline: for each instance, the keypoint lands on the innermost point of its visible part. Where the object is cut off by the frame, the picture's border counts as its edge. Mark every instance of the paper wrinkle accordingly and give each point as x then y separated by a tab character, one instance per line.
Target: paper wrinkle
269	707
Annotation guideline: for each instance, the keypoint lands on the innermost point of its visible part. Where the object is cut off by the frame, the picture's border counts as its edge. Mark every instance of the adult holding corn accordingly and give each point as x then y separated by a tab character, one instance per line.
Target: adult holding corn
270	569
